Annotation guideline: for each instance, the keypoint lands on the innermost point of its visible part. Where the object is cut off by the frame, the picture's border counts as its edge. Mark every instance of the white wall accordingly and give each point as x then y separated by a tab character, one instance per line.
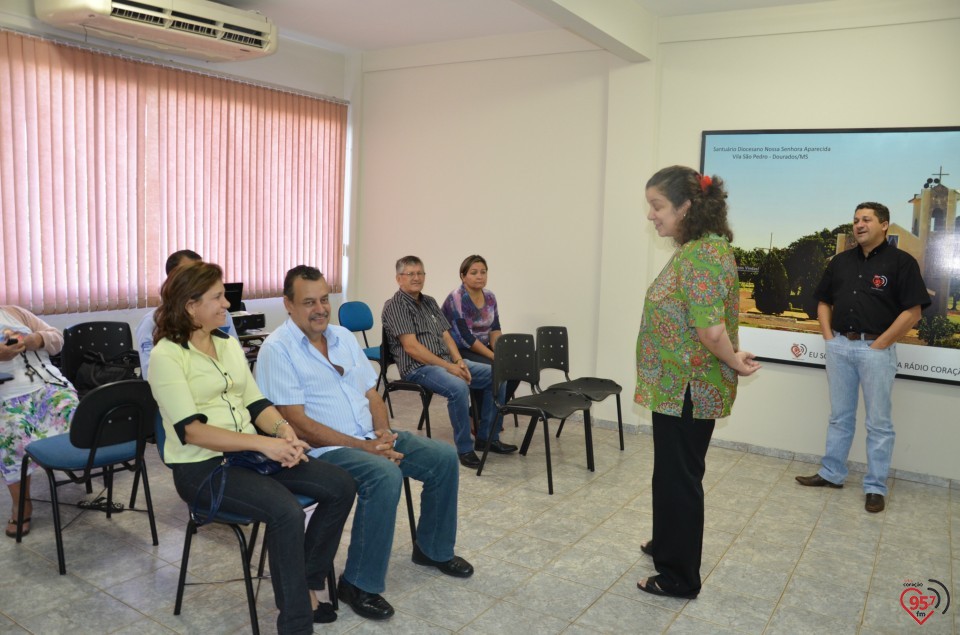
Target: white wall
472	148
498	156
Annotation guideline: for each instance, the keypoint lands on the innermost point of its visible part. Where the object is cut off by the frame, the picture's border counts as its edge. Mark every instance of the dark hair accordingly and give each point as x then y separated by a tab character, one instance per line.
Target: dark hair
708	202
408	261
181	286
883	214
300	272
174	259
468	262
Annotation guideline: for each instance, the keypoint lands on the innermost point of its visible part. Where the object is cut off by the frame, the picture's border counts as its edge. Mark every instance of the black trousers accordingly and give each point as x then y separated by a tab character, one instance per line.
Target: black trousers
679	460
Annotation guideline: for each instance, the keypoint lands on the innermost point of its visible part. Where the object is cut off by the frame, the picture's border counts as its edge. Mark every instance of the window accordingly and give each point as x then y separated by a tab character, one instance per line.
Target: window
107	165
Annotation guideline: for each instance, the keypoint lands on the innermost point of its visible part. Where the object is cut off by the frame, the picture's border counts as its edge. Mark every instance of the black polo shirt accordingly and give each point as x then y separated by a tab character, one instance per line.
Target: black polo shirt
869	292
403	314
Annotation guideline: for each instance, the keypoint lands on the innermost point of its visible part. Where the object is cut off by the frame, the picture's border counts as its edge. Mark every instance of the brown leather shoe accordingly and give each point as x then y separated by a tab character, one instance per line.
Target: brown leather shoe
874	503
817	481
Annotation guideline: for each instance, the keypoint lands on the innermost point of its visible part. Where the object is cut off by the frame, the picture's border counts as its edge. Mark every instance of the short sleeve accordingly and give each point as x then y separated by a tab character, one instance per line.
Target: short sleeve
705	283
276	374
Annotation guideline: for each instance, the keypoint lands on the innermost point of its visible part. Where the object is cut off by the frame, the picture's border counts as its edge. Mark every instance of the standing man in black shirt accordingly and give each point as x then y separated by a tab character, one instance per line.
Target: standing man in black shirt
869	298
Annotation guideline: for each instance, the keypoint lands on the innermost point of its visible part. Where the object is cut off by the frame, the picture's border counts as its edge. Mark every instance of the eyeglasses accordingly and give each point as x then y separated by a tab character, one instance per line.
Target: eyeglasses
414	274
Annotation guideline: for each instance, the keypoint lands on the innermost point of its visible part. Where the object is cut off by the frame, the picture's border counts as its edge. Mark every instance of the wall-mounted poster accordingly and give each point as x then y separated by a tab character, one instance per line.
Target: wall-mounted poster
792	196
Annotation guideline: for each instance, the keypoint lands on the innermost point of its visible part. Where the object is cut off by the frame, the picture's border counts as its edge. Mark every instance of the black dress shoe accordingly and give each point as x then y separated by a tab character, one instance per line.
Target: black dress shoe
496	447
324	613
369	605
817	481
874	503
455	566
470	460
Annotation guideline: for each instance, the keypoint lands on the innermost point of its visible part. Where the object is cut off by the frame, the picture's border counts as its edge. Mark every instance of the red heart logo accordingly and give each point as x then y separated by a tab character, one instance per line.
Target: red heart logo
920	604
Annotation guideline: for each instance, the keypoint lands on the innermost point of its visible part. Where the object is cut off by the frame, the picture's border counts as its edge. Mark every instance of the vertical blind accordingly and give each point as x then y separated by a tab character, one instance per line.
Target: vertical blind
107	165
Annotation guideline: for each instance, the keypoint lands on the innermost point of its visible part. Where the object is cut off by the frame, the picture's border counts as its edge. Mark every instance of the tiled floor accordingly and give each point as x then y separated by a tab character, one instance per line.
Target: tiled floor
778	558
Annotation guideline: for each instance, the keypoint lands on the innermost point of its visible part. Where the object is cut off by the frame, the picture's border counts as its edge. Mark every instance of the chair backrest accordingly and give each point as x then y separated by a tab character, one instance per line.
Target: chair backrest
357	317
107	338
160	435
515	358
115	413
553	350
386	357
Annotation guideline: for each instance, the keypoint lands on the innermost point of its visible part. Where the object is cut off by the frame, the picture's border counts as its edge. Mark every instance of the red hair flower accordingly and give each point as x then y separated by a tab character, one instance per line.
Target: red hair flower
705	182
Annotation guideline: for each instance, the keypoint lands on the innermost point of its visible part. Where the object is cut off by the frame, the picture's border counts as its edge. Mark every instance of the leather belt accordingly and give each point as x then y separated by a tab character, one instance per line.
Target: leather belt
855	335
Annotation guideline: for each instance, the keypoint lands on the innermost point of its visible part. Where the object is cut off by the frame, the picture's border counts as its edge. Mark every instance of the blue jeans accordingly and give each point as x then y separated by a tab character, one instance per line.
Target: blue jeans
378	480
853	365
298	560
457	393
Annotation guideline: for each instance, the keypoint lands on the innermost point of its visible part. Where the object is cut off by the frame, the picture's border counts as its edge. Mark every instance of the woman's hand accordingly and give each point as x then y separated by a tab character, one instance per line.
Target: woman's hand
10	349
287	452
747	365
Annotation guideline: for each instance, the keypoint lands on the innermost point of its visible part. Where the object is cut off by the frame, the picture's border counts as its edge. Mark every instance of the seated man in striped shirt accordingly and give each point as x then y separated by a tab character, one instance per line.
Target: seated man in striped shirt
419	338
319	379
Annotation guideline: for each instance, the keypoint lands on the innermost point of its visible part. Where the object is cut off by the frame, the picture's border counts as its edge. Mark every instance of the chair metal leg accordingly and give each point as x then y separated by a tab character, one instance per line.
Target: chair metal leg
546	446
133	491
619	421
184	559
425	414
57	525
247	579
22	499
410	515
146	494
386	397
332	589
588	439
560	427
525	445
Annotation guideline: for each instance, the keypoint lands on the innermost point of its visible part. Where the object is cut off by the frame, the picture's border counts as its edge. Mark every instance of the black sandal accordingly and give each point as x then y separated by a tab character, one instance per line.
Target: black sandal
653	588
100	504
647	548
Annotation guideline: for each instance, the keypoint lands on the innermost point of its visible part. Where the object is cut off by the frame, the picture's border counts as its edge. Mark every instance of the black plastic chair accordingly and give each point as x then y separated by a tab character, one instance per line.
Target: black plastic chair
515	357
553	351
236	522
109	431
109	339
389	386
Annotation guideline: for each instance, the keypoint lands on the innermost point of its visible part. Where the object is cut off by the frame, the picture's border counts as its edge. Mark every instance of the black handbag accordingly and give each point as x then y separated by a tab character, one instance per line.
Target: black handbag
95	370
217	480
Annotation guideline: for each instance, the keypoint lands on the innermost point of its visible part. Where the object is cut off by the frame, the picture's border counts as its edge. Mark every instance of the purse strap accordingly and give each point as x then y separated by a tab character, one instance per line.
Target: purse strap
216	495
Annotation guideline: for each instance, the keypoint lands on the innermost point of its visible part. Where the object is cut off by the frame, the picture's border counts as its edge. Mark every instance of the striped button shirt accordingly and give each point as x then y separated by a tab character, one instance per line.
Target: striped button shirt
293	372
401	315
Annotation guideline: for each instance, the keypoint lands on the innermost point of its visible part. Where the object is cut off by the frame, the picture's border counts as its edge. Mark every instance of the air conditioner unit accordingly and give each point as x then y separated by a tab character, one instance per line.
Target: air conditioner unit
191	28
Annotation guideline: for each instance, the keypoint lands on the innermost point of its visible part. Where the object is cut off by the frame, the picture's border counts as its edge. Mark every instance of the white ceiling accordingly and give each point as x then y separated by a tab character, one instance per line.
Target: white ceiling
369	25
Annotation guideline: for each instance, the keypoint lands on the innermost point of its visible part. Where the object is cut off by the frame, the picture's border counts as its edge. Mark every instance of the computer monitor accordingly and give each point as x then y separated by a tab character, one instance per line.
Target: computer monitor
233	291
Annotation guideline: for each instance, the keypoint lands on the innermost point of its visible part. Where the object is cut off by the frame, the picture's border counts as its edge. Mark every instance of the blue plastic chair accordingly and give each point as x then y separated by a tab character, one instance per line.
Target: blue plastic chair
109	432
357	317
235	522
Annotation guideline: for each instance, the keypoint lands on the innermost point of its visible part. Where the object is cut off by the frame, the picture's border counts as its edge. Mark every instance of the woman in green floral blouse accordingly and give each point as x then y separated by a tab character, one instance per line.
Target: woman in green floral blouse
688	361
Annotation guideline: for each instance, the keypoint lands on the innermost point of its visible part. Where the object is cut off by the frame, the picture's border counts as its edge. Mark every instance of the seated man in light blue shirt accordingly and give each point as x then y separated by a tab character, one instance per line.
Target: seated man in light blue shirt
144	333
318	377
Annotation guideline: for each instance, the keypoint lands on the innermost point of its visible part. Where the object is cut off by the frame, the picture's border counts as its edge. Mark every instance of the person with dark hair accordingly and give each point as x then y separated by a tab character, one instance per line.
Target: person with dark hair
36	400
144	333
210	405
418	335
868	298
325	387
472	310
688	360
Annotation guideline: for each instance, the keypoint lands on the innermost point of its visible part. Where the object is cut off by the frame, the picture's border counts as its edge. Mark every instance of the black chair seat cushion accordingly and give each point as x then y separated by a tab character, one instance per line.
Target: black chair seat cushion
593	388
555	404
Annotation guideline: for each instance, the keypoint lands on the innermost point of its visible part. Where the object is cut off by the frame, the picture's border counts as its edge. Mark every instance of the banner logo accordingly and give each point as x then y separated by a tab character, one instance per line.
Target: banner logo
798	350
879	282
